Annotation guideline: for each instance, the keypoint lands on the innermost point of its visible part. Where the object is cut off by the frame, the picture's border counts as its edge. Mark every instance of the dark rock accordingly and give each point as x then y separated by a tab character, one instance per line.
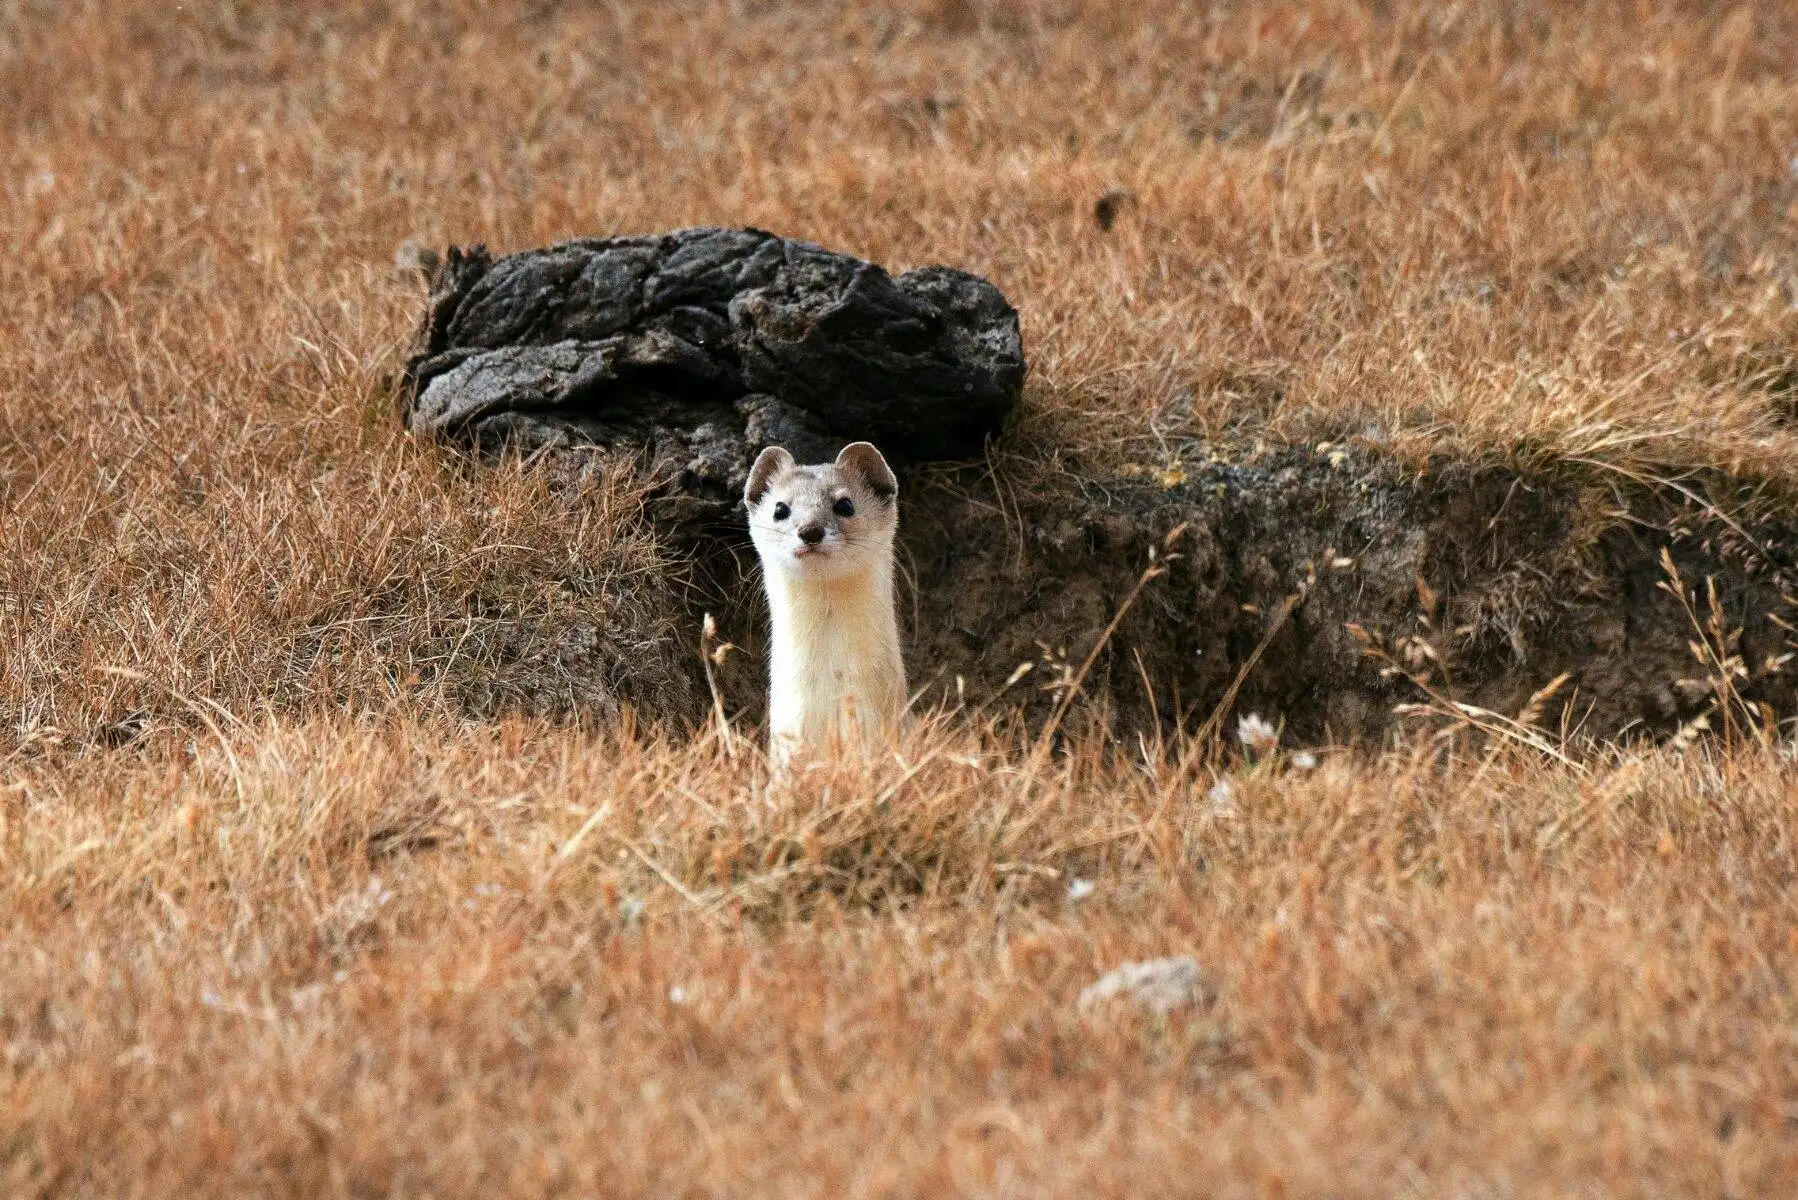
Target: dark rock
1107	207
695	349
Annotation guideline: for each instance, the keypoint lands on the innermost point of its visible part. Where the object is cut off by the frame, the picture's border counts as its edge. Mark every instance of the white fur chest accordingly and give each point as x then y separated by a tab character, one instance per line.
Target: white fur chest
835	671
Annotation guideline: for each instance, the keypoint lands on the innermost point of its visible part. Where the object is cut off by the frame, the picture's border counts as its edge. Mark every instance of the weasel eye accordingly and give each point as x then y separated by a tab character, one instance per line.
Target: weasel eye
845	507
782	512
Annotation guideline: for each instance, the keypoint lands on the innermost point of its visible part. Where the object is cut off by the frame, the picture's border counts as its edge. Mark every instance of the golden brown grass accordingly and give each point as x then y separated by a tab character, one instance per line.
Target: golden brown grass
398	959
282	918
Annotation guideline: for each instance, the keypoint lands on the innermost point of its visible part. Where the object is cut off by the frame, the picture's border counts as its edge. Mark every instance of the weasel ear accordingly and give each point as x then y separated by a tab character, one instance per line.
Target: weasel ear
863	461
768	464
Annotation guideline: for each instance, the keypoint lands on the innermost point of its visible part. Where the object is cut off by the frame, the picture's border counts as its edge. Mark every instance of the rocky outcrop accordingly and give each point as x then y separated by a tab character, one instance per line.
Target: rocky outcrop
690	351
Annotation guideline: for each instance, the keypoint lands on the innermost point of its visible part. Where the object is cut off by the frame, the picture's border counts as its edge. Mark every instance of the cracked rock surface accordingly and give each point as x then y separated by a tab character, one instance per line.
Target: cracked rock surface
689	351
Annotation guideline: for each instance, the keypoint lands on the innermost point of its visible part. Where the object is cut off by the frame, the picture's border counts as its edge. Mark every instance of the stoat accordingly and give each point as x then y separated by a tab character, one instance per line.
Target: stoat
824	533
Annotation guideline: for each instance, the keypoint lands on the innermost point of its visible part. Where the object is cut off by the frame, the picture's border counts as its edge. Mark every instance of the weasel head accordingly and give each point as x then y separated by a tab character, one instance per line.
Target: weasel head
822	523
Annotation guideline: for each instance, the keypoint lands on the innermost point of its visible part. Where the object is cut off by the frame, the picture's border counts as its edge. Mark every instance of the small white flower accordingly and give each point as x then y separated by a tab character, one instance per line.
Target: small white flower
1304	760
1254	731
1221	795
677	994
1080	889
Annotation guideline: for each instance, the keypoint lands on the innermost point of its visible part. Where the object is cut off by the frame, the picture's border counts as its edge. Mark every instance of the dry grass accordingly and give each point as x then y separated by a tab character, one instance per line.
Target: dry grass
399	960
242	620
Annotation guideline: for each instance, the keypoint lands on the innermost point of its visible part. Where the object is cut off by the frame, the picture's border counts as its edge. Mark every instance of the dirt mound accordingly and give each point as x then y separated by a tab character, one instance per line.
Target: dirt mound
1324	590
1317	586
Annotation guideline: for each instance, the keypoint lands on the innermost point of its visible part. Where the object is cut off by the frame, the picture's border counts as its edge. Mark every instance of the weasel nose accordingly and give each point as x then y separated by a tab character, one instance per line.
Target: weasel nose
811	535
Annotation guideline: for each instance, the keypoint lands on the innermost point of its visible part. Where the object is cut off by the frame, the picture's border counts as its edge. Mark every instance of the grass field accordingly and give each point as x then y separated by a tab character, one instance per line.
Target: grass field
282	919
